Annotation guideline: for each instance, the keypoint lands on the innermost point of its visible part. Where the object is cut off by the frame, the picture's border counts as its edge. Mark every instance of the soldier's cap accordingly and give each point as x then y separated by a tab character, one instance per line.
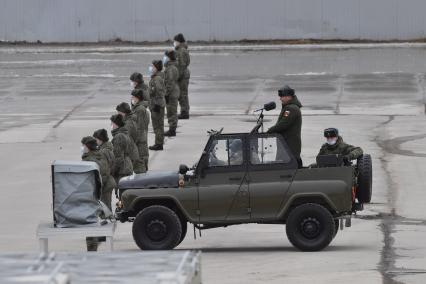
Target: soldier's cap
124	107
286	91
179	38
158	64
136	77
171	54
331	132
138	93
90	142
117	119
101	134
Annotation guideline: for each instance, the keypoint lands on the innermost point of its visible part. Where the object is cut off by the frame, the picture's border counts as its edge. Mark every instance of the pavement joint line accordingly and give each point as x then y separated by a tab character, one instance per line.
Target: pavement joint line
259	87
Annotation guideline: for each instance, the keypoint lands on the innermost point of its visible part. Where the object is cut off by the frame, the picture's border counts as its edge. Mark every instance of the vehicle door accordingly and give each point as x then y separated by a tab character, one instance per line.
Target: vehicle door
271	170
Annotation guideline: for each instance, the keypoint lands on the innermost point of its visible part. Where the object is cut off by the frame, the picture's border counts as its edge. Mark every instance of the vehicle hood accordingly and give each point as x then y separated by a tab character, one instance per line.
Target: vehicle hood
150	179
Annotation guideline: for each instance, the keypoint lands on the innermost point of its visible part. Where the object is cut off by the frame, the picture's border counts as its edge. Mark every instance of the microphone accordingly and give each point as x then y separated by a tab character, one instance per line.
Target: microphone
267	107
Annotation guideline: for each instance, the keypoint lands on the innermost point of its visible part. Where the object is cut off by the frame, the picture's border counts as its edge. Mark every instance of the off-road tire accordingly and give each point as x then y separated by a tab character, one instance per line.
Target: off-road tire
157	228
365	179
310	227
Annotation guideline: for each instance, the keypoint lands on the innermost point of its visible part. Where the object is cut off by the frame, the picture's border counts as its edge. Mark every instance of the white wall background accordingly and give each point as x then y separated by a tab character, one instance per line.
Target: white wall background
208	20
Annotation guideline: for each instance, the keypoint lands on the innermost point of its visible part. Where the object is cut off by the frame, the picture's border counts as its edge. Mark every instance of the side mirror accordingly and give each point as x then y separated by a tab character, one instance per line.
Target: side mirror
183	169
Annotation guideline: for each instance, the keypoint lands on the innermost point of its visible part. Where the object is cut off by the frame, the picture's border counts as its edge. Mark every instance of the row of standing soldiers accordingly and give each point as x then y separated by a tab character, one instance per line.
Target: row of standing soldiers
128	151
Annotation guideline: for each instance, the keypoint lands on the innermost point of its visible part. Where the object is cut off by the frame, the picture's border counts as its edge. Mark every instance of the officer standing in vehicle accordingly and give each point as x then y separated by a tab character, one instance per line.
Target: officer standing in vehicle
91	153
289	123
172	90
122	148
107	150
183	61
336	146
130	124
136	81
157	92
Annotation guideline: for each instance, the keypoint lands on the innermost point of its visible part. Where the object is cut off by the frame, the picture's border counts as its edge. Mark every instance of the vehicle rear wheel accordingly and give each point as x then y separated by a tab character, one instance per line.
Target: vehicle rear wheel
310	227
365	179
157	228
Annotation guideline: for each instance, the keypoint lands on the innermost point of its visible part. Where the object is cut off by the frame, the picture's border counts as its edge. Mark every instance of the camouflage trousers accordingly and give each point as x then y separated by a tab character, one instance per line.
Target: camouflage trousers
183	96
143	155
172	112
157	119
107	189
137	161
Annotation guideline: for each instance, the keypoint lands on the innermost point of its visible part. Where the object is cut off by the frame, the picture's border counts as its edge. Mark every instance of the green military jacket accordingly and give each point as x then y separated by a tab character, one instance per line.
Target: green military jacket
183	61
144	87
171	80
132	131
341	148
97	157
289	125
157	91
122	152
140	118
107	149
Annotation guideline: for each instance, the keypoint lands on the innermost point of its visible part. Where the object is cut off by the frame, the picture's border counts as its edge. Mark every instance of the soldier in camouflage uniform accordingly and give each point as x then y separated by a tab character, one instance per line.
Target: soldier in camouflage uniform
105	148
92	154
122	148
183	61
157	92
140	116
136	81
172	90
130	124
336	145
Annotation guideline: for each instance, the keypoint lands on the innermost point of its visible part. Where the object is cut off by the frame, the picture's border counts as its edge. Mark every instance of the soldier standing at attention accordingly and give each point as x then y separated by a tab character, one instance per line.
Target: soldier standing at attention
107	150
90	153
136	82
183	61
289	123
172	90
122	148
335	145
157	93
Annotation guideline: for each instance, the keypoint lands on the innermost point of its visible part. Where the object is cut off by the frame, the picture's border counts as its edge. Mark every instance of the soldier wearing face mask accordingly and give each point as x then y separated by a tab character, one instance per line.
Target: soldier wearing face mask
136	82
336	145
172	90
183	61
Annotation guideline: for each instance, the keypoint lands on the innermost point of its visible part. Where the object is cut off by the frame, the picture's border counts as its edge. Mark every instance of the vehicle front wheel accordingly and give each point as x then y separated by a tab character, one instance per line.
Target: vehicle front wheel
157	228
310	227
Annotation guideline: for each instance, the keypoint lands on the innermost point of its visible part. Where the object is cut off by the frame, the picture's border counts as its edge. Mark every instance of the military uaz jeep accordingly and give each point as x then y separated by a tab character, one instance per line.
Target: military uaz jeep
246	178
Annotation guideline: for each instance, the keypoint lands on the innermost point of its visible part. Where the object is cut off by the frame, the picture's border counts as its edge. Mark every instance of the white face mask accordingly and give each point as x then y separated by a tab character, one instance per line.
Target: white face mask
331	141
165	60
132	84
175	44
133	102
82	150
151	70
112	127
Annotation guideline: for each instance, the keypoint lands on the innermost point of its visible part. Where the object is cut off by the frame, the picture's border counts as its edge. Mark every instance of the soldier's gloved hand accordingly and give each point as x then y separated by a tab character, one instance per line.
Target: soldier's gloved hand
167	99
156	108
346	159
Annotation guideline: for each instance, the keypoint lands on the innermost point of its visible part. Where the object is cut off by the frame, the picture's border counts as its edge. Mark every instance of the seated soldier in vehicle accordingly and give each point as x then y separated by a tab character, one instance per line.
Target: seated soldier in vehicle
336	145
236	152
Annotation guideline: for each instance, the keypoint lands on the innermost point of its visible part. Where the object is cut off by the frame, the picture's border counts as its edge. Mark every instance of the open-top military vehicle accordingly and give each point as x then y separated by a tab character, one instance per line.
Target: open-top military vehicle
246	178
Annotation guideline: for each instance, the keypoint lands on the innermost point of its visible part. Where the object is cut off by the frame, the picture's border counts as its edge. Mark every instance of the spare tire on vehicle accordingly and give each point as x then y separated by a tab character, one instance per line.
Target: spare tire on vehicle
365	179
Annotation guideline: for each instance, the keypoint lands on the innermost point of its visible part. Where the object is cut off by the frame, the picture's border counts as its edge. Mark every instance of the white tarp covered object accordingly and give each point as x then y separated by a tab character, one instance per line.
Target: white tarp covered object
76	188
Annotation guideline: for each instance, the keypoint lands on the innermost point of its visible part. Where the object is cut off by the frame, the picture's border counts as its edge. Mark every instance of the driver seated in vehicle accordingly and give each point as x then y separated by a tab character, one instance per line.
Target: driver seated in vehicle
236	152
336	146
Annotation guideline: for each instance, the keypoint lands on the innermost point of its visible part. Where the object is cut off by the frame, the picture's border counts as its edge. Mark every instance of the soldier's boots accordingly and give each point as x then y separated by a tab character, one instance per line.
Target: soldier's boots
183	115
156	147
170	133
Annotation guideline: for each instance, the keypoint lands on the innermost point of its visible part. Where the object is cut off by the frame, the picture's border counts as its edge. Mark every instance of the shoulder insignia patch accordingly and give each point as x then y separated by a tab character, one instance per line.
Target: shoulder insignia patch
286	113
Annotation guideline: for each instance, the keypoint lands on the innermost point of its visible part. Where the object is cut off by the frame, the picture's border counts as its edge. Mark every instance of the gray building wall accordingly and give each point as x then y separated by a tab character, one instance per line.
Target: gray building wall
208	20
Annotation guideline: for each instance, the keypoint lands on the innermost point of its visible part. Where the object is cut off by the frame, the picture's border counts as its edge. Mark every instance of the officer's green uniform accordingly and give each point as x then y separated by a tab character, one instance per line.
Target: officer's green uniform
183	61
341	148
107	150
144	87
140	118
157	93
289	125
137	162
172	93
122	151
